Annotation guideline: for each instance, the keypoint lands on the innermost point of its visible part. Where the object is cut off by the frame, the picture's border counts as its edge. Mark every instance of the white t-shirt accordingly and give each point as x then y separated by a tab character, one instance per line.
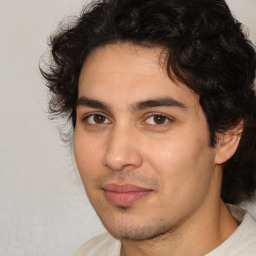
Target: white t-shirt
241	243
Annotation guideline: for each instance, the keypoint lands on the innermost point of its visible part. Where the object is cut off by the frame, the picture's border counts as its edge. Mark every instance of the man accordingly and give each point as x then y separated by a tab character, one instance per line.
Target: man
160	95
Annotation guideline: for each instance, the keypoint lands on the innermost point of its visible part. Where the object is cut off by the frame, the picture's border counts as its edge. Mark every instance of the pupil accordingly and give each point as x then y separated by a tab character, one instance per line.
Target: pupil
99	119
159	119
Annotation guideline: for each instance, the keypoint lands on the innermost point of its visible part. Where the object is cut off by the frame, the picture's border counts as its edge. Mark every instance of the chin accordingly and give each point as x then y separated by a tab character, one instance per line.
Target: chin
139	233
136	230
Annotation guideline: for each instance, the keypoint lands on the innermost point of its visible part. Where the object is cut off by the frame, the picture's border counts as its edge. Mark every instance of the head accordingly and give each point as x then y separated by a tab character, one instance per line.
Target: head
190	64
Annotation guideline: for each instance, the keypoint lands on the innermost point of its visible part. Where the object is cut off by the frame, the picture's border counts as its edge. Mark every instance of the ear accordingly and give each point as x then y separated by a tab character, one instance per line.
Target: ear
227	144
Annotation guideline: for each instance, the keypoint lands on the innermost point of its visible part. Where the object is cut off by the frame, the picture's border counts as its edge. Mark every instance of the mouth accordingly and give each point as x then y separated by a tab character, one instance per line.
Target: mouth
124	195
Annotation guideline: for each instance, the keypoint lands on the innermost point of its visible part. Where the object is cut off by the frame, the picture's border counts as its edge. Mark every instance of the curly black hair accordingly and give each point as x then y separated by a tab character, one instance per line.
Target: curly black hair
206	48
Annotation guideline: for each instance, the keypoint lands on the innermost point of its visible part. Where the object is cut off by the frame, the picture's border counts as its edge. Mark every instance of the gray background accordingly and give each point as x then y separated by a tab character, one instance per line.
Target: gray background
43	207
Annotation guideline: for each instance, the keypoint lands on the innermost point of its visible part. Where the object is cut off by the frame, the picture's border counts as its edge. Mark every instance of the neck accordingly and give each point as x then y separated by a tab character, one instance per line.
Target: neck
199	235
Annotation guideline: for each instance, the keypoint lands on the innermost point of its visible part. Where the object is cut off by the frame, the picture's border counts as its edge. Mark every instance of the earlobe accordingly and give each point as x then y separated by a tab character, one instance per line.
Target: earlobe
228	143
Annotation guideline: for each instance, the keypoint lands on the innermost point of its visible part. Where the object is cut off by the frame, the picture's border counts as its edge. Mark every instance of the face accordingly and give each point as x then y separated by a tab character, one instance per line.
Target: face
141	144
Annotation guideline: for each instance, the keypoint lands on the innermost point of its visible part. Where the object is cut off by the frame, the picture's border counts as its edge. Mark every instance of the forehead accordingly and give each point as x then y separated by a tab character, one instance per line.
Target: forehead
131	55
126	73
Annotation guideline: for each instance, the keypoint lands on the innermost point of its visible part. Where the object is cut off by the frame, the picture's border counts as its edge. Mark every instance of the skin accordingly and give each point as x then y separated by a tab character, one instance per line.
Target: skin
164	149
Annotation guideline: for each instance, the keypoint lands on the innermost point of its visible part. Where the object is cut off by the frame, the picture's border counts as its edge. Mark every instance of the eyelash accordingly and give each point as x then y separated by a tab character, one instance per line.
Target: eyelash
85	118
150	115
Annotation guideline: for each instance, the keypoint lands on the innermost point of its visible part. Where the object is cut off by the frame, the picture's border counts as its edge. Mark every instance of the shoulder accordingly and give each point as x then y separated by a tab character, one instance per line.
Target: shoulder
242	241
246	236
103	245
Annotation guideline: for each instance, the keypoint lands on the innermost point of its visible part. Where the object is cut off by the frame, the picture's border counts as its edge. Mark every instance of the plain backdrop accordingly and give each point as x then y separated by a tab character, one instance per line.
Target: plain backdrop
43	206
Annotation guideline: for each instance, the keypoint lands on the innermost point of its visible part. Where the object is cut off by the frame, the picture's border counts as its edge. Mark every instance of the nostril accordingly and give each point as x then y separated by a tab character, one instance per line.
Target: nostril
128	159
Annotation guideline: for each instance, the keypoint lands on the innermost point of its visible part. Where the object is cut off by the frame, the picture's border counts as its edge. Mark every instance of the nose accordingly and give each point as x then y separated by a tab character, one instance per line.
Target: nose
122	150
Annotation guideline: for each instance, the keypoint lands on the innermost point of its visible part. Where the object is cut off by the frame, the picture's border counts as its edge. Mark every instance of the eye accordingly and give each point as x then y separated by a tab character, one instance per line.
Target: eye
95	119
157	119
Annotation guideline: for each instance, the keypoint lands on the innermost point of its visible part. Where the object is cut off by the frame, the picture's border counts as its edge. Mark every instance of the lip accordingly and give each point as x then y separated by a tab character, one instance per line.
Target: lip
125	194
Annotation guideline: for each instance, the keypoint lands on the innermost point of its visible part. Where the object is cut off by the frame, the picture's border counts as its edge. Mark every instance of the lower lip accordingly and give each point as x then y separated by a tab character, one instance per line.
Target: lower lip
125	198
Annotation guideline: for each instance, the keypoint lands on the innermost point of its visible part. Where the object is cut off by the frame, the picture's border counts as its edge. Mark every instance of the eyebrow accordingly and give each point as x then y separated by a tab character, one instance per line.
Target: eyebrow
91	103
158	102
149	103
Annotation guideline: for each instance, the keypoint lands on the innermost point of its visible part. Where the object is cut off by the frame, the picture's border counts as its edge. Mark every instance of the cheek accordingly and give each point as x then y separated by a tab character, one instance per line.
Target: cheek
87	154
185	175
183	165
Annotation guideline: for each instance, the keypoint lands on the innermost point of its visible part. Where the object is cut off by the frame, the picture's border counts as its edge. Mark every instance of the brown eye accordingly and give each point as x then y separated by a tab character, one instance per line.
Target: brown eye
157	119
97	119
